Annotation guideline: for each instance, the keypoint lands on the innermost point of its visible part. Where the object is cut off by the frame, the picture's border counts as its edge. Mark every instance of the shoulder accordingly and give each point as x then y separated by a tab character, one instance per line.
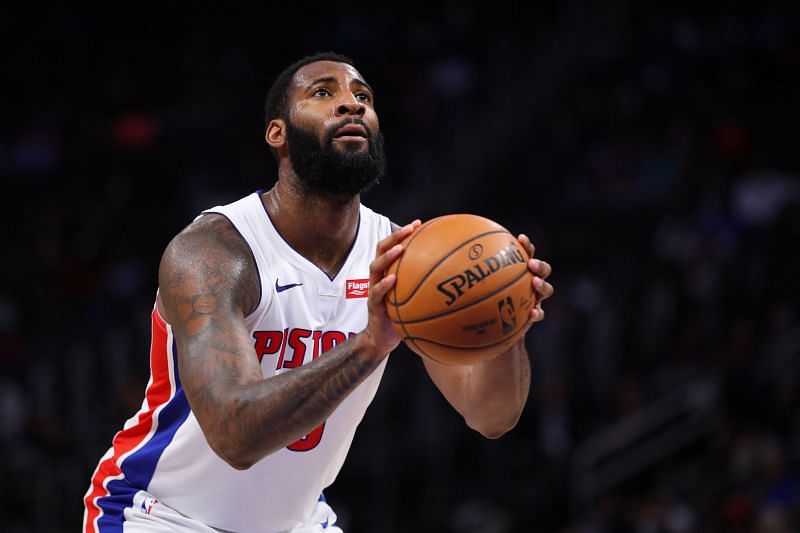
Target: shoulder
380	222
206	237
210	251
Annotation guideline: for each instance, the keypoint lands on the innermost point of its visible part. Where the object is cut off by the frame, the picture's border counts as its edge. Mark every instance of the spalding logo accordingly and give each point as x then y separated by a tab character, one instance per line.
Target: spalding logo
356	288
453	288
476	251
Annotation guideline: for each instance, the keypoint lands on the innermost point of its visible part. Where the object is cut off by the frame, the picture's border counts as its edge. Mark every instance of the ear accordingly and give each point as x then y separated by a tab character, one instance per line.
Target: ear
276	134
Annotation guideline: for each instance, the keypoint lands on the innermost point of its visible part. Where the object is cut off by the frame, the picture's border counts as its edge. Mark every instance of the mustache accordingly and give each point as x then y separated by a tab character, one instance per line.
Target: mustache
346	122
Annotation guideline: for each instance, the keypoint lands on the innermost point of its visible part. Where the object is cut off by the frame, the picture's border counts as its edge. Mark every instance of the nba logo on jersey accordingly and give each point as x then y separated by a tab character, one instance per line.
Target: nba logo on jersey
148	504
356	288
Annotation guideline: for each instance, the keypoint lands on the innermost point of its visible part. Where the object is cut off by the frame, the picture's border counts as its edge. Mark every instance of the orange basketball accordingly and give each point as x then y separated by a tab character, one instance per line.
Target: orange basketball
463	292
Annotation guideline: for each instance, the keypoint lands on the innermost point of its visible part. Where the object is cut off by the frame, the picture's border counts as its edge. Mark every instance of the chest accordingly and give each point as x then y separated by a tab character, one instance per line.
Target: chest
308	314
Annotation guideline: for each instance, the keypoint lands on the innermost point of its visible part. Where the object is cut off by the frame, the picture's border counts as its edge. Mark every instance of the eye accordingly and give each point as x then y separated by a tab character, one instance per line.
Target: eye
363	96
321	91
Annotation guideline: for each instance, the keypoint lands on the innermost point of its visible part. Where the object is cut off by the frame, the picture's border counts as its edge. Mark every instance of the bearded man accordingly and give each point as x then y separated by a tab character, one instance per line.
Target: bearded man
262	362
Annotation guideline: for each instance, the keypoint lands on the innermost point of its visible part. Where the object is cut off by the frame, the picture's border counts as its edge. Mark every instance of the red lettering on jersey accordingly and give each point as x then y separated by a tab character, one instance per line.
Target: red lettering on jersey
356	288
296	343
267	343
331	339
271	342
283	347
310	441
317	335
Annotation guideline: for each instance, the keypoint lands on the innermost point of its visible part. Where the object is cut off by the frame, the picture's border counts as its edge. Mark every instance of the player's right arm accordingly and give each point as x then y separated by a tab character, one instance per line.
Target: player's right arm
208	283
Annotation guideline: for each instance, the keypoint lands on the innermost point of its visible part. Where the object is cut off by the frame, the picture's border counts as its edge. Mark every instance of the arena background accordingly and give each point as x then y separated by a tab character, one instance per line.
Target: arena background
651	151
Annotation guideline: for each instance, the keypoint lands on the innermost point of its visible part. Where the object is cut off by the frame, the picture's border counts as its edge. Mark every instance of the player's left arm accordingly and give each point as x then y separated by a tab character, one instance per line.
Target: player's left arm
490	395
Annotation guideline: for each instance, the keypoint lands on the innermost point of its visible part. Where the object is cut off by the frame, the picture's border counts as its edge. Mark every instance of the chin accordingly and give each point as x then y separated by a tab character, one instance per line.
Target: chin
353	147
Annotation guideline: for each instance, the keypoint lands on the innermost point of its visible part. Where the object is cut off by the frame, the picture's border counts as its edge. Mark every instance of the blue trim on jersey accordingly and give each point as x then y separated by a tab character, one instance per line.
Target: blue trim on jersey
119	498
323	500
139	467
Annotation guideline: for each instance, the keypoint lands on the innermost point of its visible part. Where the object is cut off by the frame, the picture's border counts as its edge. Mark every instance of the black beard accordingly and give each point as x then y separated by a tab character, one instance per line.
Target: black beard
325	171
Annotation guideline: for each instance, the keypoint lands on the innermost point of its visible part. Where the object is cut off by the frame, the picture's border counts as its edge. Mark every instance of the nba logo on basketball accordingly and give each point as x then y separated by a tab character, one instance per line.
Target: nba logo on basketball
356	288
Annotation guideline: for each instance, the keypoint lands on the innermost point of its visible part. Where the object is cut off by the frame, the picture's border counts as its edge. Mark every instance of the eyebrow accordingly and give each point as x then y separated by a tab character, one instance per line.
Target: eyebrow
329	79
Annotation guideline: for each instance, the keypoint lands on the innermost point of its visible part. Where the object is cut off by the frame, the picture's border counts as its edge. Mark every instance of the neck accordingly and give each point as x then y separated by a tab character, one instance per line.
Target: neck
321	229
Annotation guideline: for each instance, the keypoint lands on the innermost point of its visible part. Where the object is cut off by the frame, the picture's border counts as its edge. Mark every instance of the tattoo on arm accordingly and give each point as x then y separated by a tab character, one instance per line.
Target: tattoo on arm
276	412
209	283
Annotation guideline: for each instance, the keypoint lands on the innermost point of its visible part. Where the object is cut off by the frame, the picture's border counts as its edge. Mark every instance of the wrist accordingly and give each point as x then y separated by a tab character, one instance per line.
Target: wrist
367	348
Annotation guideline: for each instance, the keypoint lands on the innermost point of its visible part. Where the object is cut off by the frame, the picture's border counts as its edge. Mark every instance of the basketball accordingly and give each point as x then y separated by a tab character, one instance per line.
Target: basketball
463	292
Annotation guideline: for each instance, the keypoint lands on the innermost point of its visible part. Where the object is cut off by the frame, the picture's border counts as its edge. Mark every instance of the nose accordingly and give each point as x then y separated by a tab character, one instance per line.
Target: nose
353	107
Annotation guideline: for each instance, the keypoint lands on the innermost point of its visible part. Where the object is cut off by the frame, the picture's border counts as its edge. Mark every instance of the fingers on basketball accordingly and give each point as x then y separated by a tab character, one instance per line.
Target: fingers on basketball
463	291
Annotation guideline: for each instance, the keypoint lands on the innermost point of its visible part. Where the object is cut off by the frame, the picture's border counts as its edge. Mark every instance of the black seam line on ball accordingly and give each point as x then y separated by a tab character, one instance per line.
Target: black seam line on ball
400	262
468	348
442	260
479	300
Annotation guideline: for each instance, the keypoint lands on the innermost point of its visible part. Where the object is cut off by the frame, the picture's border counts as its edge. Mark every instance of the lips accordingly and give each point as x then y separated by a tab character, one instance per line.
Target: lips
351	130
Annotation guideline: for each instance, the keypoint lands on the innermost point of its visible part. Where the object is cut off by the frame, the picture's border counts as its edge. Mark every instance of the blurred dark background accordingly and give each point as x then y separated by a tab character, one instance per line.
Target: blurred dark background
650	150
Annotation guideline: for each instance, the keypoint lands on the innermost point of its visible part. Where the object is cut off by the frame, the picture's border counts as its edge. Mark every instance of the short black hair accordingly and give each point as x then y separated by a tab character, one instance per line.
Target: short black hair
276	105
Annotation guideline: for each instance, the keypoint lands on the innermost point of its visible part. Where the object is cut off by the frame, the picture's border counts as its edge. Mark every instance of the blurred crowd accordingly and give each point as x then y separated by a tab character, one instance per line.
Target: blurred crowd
649	151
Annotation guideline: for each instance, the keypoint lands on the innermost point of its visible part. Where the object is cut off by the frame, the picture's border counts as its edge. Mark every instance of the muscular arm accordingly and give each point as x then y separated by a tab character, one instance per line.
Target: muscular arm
208	284
490	395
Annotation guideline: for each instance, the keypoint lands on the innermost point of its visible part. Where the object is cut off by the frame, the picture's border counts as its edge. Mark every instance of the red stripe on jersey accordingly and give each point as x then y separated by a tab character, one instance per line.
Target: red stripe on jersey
158	393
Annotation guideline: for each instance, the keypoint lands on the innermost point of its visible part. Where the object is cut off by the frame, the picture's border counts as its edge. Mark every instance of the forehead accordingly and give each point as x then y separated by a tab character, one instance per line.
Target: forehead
307	74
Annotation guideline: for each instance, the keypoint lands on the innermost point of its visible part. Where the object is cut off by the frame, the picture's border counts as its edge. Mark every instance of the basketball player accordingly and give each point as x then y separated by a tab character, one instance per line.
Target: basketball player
266	347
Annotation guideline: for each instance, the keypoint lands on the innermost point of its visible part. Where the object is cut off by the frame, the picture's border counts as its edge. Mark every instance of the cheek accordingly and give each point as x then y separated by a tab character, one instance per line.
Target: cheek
311	113
372	119
307	120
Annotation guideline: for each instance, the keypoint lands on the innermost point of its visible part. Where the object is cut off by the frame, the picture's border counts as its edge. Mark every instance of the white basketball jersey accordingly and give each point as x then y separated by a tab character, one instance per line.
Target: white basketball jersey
301	314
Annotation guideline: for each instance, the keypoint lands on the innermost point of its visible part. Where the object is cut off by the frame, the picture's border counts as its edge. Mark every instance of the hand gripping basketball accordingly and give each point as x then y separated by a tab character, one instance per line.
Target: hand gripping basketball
541	270
465	290
379	327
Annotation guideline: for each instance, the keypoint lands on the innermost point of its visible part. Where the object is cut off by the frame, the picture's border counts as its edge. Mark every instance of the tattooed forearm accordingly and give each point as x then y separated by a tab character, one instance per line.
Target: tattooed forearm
208	283
268	415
